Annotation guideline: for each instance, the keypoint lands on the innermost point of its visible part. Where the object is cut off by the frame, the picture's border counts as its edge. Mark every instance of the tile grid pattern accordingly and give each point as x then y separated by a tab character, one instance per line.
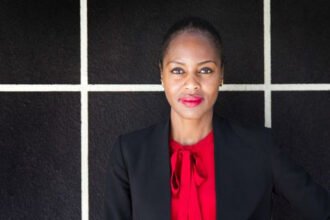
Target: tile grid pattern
84	88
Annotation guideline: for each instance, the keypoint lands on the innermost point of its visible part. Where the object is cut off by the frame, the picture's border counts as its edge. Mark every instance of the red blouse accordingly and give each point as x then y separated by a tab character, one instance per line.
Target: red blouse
193	180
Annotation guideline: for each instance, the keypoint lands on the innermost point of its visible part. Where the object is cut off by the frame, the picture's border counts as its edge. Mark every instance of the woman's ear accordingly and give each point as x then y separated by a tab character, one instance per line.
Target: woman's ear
222	75
160	66
161	72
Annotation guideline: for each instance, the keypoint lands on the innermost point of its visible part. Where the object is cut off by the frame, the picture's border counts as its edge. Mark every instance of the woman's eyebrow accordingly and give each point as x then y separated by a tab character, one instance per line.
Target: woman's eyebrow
173	61
207	61
200	63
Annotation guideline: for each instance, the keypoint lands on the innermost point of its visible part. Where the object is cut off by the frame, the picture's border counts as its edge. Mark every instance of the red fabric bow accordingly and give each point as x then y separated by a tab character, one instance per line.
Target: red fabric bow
188	175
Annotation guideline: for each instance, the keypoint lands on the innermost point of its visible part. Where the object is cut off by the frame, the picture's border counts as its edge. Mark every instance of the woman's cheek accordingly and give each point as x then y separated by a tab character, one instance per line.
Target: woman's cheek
174	85
212	84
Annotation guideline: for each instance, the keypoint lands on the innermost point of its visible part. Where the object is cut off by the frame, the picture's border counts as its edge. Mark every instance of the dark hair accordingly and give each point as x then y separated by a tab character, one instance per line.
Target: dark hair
192	24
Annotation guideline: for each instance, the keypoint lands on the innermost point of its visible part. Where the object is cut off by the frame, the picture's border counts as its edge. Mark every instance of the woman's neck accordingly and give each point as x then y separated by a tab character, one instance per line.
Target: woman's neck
190	131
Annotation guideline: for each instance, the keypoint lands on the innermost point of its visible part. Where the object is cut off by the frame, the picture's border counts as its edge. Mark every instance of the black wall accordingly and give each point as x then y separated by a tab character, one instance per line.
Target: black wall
40	131
40	171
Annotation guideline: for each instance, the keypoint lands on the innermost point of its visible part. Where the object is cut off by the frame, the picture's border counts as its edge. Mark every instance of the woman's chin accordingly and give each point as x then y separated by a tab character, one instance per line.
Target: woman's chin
192	114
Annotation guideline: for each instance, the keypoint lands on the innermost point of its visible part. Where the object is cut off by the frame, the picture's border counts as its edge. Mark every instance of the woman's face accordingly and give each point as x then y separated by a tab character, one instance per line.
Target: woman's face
191	74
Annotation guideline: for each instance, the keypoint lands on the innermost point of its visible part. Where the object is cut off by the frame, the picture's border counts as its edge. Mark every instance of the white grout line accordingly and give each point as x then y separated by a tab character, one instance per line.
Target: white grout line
154	87
301	87
267	64
268	108
84	109
125	88
242	87
40	88
84	156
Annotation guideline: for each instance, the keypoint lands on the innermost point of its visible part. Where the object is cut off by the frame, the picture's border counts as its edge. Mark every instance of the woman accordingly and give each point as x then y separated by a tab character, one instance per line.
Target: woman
196	165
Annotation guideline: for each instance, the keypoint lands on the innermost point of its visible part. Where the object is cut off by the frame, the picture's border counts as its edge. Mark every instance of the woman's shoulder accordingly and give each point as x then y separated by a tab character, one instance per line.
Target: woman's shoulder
242	128
253	135
249	130
139	136
142	143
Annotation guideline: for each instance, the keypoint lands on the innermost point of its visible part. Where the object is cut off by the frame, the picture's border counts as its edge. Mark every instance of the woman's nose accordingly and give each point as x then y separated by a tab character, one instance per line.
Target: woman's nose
192	82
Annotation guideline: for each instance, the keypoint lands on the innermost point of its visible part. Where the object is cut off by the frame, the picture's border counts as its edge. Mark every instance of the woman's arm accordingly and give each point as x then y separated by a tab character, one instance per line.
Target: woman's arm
117	189
296	185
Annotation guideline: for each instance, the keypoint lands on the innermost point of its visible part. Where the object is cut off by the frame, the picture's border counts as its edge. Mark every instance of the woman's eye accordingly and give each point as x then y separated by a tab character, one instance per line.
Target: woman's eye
206	70
177	71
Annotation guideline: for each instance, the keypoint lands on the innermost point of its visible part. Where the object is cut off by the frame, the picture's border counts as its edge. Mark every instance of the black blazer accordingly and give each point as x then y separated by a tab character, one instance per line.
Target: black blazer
248	168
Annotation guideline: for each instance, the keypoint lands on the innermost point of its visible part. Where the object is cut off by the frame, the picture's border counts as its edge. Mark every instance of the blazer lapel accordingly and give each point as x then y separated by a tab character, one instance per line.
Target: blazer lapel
225	173
160	194
237	188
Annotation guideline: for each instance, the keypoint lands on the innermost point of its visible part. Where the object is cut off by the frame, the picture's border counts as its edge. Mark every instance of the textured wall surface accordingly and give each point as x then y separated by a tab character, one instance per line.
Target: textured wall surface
39	156
300	36
39	41
40	172
40	142
125	37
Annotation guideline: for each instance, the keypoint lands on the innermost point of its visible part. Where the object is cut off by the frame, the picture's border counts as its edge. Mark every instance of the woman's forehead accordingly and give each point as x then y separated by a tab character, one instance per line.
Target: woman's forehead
189	45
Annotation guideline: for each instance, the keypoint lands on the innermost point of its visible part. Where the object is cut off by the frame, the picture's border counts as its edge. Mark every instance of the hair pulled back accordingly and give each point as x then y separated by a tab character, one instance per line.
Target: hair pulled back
192	24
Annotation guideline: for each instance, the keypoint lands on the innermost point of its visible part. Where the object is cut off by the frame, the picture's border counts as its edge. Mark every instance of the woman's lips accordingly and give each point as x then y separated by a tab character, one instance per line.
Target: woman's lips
191	101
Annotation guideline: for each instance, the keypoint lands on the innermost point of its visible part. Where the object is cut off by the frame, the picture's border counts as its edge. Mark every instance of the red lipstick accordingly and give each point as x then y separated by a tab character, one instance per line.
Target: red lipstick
191	101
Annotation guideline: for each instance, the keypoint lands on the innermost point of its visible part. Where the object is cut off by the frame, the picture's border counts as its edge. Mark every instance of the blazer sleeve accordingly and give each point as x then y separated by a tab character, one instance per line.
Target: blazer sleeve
293	183
117	188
